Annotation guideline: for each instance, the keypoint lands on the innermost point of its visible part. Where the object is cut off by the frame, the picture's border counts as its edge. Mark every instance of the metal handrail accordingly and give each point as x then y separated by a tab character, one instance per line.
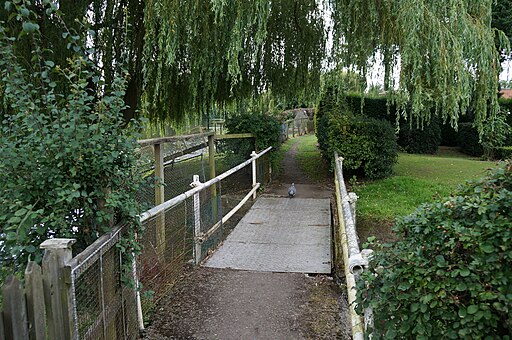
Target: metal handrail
201	186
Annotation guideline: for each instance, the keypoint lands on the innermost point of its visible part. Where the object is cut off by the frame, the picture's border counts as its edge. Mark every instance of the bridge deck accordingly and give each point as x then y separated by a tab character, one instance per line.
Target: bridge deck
279	235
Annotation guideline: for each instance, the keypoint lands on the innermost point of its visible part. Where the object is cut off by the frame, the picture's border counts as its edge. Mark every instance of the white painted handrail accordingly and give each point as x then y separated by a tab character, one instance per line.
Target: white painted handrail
201	186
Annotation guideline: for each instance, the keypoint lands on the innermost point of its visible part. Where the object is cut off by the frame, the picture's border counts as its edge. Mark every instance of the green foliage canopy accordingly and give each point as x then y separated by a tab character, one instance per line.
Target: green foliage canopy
184	55
444	48
67	161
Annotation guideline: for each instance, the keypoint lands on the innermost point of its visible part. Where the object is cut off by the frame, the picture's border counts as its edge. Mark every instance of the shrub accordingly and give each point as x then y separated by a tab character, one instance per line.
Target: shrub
68	164
450	273
367	145
417	140
504	152
449	136
265	128
469	140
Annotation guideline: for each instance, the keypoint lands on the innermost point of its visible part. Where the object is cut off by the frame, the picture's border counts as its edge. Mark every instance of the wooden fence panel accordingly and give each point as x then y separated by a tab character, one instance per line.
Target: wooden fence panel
2	331
14	310
35	301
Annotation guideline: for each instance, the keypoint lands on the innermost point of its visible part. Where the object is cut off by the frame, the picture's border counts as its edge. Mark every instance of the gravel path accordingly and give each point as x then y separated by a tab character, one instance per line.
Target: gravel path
228	304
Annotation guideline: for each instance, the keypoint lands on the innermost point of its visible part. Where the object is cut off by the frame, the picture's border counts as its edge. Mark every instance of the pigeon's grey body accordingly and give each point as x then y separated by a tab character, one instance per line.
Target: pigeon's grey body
292	191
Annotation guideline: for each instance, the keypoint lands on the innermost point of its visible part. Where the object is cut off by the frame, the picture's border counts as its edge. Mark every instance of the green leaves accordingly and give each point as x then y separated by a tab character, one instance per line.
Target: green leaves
67	164
461	279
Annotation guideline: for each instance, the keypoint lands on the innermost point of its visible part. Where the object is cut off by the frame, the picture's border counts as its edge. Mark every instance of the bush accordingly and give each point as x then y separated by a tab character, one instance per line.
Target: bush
265	128
469	140
449	136
367	145
450	273
415	140
68	164
504	152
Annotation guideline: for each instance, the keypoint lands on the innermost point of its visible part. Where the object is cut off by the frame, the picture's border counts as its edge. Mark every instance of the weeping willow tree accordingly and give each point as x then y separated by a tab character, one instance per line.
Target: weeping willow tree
445	50
200	52
183	56
197	52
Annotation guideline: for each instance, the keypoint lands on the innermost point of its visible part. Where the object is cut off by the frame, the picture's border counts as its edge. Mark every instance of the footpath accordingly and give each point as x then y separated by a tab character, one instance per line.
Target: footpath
223	303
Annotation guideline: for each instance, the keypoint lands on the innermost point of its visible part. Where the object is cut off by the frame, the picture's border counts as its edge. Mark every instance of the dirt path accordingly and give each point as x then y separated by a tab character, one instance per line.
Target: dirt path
228	304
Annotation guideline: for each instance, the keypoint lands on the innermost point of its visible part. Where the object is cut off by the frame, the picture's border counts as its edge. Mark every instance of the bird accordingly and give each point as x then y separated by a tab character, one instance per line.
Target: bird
292	191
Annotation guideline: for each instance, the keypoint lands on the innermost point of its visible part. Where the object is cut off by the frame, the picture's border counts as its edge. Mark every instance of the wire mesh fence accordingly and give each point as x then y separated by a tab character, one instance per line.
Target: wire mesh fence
187	232
103	306
175	237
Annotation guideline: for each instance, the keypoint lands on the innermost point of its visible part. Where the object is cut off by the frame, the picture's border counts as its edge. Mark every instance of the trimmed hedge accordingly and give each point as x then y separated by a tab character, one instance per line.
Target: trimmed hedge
504	152
469	140
265	128
449	275
412	140
423	141
367	145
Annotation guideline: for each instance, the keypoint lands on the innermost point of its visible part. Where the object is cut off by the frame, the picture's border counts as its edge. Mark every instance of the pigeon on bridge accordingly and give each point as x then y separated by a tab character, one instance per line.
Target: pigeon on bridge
292	191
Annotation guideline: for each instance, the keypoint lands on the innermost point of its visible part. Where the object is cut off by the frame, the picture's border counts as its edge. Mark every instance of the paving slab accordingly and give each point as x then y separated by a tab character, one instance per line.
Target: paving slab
279	235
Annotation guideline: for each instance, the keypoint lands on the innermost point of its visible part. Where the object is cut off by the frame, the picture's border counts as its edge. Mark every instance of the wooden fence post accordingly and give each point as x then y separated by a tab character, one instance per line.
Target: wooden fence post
35	301
159	198
57	288
211	165
14	310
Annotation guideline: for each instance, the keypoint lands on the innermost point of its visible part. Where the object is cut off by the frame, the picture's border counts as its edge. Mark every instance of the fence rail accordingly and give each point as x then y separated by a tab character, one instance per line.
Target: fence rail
355	261
84	297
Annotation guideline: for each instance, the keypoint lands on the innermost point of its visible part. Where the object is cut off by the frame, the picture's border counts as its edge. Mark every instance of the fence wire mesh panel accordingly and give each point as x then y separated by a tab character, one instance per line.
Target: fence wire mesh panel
104	307
167	247
181	158
187	232
146	193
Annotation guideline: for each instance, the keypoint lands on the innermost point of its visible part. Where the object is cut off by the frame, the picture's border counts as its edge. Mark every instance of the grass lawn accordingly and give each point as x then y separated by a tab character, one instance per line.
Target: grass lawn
310	160
418	179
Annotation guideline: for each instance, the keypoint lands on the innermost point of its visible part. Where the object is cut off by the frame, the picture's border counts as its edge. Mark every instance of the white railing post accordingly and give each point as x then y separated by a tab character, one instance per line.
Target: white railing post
254	155
352	199
197	221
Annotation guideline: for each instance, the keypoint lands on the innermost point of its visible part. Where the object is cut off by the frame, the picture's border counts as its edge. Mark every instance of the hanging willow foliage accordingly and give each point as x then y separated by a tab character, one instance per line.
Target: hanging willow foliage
182	56
445	50
200	52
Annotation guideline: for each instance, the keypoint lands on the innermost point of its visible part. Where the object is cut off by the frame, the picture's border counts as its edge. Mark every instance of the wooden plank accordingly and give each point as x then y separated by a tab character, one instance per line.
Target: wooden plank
234	135
57	291
161	140
211	165
159	198
35	301
14	309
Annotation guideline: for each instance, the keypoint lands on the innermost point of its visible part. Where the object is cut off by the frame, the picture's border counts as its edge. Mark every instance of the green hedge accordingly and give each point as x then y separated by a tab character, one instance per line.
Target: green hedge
411	139
367	145
504	152
468	140
449	275
422	141
265	128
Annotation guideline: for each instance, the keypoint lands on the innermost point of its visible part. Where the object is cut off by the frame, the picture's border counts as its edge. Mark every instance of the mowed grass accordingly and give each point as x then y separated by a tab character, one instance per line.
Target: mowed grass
418	179
310	160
